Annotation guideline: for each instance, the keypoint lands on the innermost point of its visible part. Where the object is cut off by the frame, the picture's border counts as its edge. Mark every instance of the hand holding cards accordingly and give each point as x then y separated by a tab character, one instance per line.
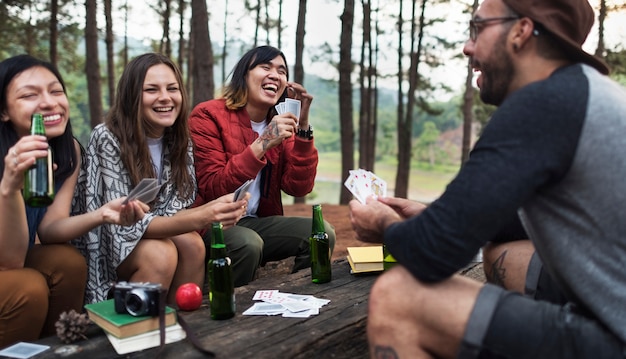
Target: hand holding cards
145	191
362	184
290	105
240	192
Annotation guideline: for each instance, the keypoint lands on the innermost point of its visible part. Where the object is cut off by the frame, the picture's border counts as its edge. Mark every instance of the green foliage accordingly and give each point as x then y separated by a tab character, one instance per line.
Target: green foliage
482	111
429	136
26	23
617	62
425	146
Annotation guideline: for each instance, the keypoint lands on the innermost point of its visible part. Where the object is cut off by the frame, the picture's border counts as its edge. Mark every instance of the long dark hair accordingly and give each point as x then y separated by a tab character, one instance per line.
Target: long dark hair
63	147
236	92
126	122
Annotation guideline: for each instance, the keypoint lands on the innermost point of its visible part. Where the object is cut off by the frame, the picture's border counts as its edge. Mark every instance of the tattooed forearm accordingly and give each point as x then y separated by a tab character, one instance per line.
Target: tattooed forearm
381	352
271	132
496	274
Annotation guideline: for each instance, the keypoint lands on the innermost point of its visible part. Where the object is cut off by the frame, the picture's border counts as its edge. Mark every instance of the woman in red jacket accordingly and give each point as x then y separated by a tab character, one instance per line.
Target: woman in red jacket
240	137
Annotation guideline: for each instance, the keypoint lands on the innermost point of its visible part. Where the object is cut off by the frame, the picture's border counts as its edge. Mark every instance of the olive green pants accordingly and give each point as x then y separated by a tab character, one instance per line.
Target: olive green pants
256	241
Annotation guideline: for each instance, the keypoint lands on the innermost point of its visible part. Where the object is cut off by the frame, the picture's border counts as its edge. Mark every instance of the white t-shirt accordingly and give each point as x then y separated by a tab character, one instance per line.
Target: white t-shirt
255	187
156	152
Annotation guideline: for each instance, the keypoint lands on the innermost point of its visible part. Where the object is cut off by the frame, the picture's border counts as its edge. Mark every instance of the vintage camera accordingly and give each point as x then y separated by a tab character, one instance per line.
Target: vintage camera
138	299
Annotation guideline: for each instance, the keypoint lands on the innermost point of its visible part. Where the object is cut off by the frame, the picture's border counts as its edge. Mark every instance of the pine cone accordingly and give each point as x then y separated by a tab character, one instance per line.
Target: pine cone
72	326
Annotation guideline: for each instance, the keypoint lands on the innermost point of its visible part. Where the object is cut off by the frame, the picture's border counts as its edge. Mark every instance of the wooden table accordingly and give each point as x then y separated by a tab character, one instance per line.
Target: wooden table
337	332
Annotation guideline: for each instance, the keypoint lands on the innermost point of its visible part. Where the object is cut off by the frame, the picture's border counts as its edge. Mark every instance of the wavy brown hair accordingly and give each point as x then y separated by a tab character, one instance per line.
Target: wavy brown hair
125	120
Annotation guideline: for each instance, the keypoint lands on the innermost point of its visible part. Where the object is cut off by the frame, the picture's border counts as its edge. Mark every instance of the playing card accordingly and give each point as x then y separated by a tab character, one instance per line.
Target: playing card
301	314
264	309
293	106
148	195
23	350
280	108
145	191
379	186
264	294
241	191
362	184
296	306
351	184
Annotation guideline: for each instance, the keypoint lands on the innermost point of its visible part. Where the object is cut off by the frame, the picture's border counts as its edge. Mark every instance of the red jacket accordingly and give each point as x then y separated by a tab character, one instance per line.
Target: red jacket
224	161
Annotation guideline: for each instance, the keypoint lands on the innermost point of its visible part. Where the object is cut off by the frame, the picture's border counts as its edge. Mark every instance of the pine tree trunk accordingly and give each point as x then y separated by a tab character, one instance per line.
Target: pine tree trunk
203	86
345	97
92	65
298	69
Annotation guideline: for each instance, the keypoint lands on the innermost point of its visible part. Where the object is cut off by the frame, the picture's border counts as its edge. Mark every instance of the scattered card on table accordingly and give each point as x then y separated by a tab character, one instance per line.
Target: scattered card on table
290	305
23	350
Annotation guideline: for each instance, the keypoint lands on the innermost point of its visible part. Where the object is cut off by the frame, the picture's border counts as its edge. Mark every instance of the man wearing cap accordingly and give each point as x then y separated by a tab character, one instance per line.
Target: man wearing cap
551	156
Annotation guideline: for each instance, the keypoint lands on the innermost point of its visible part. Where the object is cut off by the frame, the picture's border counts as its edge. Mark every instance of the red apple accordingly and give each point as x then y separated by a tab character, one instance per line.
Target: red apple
189	296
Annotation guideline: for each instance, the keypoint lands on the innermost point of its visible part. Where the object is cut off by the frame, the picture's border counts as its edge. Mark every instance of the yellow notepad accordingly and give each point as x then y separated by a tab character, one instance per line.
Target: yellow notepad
365	259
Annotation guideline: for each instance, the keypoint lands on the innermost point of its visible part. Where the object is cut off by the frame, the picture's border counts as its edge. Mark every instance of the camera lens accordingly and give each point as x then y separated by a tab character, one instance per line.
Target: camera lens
137	302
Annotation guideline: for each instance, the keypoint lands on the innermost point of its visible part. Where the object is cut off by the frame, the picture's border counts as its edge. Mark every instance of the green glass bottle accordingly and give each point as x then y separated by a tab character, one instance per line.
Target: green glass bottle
39	179
221	285
320	248
388	260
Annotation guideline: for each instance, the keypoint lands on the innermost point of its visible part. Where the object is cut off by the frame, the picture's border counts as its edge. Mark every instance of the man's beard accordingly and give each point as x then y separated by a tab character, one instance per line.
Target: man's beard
497	75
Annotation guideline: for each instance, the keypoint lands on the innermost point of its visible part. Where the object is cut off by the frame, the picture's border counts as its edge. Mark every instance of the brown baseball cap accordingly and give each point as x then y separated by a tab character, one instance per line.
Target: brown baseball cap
568	20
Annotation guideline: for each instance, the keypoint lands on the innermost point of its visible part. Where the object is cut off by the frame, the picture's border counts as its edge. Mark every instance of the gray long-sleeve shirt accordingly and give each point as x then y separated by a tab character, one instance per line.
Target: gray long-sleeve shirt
552	152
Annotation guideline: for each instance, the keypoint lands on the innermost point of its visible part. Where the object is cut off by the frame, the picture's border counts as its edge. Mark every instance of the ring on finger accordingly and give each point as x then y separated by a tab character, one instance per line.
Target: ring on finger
15	161
14	152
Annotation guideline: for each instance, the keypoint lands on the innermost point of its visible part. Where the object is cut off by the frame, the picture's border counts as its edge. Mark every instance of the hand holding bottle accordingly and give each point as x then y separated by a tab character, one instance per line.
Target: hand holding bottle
20	158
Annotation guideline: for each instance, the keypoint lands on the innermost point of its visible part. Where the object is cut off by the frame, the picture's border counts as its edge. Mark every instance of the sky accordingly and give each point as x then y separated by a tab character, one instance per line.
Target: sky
323	25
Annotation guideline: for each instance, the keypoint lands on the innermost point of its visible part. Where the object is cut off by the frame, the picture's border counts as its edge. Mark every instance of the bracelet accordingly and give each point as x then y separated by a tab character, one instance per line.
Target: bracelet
306	134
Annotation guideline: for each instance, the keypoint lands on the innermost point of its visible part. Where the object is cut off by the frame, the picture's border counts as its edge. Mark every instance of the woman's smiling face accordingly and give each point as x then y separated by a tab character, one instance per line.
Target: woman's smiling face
161	99
266	82
37	90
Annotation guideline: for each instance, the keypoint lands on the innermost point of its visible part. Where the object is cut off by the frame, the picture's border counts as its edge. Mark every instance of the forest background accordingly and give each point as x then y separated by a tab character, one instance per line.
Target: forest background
393	92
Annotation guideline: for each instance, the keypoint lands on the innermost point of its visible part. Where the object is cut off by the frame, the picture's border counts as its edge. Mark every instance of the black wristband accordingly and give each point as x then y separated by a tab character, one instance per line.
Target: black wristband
306	134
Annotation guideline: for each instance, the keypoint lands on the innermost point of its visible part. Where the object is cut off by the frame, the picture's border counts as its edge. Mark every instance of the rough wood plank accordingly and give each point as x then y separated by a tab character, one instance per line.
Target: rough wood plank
337	332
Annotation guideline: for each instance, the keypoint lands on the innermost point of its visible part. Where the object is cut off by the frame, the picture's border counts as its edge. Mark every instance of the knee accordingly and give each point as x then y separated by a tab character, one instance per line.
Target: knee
73	263
36	290
386	297
249	246
385	286
161	256
29	292
191	247
491	252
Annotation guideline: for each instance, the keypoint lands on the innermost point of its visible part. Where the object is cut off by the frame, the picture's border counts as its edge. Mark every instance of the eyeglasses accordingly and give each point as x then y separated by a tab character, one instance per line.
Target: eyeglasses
476	25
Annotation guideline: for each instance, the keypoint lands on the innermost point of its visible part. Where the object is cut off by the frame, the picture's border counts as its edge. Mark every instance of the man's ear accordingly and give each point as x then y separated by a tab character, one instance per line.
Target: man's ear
522	32
4	117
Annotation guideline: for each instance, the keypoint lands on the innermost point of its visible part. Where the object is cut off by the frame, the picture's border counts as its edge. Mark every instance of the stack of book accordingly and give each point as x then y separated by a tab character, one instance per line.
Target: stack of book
128	333
365	259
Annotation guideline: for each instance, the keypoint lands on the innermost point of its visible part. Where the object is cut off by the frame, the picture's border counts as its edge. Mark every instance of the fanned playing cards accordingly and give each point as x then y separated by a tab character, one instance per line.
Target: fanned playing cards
145	191
363	183
241	191
289	105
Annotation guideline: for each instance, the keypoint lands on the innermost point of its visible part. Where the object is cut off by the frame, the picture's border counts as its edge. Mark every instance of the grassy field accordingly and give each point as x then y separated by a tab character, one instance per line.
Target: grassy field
424	184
